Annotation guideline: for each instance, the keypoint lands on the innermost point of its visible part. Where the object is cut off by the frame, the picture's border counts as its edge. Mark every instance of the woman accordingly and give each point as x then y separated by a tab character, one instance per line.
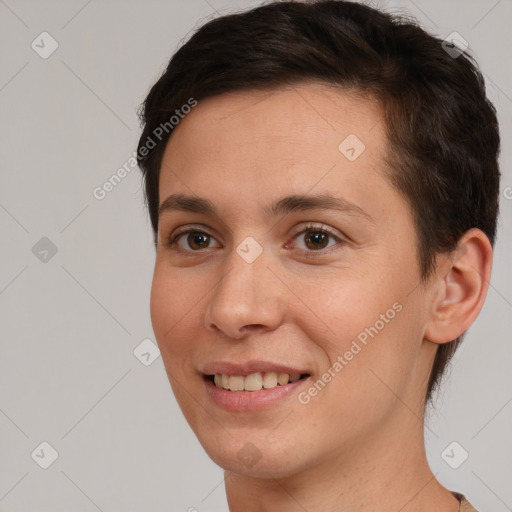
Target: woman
324	211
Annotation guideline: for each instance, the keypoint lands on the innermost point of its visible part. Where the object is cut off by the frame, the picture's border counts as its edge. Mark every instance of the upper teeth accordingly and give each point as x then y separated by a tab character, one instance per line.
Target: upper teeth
254	381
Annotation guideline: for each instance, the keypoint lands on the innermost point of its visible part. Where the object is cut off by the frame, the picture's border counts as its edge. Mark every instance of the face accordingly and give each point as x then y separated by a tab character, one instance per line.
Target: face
286	299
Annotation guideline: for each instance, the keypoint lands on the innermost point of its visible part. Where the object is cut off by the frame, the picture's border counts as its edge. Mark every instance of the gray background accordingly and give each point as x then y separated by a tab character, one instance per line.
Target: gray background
70	323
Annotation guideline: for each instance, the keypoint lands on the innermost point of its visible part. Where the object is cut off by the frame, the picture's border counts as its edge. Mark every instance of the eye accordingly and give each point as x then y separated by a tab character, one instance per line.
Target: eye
195	241
316	238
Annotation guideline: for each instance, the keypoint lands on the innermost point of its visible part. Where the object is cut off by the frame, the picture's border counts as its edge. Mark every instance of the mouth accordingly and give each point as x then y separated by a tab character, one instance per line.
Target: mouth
254	382
252	386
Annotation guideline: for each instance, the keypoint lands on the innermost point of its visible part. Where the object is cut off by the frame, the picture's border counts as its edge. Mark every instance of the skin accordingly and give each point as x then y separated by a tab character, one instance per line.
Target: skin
358	444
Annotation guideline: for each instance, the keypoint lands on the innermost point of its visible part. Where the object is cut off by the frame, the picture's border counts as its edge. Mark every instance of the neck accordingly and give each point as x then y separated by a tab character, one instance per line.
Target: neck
387	472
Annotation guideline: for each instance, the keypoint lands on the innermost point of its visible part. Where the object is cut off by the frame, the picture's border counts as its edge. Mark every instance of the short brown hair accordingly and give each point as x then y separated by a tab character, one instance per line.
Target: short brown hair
442	130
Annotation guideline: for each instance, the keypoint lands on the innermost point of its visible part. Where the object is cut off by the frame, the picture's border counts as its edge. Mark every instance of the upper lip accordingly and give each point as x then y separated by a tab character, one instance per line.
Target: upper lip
248	367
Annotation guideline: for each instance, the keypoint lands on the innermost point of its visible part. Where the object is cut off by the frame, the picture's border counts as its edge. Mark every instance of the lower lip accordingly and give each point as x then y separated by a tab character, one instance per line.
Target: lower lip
251	400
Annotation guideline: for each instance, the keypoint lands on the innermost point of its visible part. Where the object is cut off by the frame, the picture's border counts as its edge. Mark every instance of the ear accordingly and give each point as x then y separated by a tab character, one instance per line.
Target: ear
460	286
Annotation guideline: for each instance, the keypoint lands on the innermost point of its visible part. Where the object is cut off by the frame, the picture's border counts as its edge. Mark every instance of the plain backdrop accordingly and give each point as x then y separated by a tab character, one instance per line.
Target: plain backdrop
76	271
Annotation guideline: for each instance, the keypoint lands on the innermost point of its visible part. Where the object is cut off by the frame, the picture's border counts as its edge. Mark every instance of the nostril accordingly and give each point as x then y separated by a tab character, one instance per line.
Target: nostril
252	327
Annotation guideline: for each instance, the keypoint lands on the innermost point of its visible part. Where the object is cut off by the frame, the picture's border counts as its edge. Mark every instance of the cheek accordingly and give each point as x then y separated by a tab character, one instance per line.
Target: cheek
172	306
172	313
344	307
368	322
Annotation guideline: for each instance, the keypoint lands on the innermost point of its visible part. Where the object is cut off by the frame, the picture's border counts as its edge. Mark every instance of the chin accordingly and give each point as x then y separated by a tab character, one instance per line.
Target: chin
254	455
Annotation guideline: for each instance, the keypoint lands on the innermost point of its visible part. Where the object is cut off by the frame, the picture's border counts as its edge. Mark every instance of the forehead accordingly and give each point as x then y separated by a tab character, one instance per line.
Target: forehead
242	145
307	112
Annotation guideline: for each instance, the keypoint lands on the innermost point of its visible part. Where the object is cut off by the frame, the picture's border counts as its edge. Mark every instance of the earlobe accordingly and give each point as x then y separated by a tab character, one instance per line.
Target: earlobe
462	281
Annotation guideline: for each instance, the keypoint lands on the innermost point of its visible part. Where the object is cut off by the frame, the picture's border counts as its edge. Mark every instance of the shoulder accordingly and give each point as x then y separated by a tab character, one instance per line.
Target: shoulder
465	506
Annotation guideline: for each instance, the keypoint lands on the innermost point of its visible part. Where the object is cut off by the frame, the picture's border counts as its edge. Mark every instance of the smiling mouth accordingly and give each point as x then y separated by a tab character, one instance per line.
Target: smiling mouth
255	381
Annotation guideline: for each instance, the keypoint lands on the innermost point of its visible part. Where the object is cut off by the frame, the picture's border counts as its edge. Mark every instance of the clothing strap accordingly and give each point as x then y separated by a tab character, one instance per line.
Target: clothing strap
464	505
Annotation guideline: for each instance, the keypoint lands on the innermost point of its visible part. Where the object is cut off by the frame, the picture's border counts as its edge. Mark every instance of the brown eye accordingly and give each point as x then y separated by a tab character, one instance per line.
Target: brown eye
316	239
191	241
198	241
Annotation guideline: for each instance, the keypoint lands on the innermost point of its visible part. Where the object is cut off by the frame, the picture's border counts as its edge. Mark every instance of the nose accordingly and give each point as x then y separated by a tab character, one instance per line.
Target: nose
247	298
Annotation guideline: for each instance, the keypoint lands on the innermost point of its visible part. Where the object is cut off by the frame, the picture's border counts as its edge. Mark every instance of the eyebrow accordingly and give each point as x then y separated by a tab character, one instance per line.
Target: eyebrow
283	206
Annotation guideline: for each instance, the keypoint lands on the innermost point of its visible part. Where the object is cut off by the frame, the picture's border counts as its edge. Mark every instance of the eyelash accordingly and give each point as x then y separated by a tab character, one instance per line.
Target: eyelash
308	253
